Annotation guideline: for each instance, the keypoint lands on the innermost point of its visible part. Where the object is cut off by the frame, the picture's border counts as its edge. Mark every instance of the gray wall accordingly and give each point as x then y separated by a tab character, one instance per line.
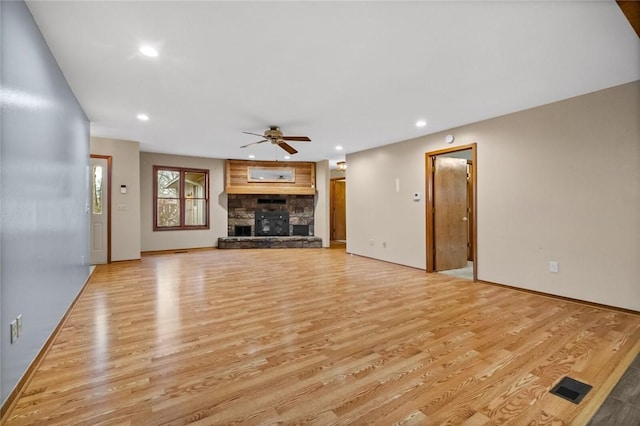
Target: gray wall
44	191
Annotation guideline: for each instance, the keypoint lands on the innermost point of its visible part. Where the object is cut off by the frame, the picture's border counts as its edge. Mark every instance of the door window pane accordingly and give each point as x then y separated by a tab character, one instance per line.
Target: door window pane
98	195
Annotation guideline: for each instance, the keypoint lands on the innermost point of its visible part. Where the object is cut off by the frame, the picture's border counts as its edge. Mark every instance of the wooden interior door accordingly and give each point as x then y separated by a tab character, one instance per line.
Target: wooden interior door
338	209
450	213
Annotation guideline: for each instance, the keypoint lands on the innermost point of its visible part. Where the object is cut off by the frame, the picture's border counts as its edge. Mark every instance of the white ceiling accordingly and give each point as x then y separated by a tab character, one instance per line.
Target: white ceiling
356	74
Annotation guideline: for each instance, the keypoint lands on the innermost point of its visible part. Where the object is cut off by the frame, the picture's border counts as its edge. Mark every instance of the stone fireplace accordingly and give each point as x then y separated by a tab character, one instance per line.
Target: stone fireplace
262	215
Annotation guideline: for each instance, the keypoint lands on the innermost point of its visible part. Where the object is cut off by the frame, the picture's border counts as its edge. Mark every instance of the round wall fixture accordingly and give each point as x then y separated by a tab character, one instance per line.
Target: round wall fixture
449	139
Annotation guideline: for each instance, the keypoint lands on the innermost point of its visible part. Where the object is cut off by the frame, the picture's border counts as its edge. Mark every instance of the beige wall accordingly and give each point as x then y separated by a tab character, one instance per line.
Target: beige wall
169	240
321	226
125	221
337	174
558	182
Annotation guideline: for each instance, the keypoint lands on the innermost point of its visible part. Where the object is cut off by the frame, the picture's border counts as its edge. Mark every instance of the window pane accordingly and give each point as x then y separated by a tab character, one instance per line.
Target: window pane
195	213
168	184
194	185
168	213
97	190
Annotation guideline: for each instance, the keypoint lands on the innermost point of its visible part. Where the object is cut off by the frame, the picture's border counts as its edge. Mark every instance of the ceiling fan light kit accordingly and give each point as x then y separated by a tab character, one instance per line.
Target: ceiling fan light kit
274	135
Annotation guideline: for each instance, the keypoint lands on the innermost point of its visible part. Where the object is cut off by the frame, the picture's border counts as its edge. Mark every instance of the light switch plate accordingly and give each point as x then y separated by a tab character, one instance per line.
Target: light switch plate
19	325
14	330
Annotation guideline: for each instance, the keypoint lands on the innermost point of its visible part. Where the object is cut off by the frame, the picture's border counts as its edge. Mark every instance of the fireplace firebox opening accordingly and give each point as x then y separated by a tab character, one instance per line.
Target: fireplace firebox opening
271	223
301	230
242	230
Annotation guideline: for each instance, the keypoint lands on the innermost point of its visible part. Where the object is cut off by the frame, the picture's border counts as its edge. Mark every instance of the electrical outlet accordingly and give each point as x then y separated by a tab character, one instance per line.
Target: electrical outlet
554	267
14	330
19	325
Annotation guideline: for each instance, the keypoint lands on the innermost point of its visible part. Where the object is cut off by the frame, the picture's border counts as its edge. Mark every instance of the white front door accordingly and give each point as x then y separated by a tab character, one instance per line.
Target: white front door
99	210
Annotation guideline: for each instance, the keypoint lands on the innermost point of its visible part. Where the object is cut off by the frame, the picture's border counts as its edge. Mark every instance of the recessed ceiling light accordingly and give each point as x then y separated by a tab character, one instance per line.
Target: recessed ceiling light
338	148
287	157
143	117
147	50
421	123
252	156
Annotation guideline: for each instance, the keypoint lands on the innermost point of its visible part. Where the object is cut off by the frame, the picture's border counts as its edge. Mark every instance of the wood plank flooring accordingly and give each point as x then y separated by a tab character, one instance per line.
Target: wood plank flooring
316	336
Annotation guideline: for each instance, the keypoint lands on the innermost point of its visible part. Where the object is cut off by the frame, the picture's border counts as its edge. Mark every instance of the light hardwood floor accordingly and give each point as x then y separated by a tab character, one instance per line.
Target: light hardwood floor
317	336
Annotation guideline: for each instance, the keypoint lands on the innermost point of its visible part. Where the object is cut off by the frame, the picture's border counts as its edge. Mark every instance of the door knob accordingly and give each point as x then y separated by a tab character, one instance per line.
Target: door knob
464	219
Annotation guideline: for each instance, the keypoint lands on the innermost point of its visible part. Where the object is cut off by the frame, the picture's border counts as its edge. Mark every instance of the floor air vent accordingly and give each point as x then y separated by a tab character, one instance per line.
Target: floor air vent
571	390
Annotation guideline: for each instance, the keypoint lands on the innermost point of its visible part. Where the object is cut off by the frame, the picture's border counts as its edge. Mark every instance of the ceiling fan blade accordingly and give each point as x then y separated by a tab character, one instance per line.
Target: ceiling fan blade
254	134
297	138
253	143
291	150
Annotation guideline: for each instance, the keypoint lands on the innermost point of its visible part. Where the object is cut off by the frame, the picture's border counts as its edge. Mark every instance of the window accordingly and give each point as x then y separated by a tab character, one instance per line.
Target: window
181	198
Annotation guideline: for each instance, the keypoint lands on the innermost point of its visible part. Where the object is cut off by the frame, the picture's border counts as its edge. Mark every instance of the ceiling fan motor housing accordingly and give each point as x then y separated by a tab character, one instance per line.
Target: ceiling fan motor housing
274	134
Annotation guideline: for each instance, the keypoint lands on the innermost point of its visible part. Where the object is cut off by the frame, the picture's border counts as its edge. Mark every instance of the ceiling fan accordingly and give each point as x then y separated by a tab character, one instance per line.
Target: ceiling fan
274	135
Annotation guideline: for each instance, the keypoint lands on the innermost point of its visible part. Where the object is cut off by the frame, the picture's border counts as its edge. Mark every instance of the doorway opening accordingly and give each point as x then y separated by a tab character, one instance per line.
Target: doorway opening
100	210
451	217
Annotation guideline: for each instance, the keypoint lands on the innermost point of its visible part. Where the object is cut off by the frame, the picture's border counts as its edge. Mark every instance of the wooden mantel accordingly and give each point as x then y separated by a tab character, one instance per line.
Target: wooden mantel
239	182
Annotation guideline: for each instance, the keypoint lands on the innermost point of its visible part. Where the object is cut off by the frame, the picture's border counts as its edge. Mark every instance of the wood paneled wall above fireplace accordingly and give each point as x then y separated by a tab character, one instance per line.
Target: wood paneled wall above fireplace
240	182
